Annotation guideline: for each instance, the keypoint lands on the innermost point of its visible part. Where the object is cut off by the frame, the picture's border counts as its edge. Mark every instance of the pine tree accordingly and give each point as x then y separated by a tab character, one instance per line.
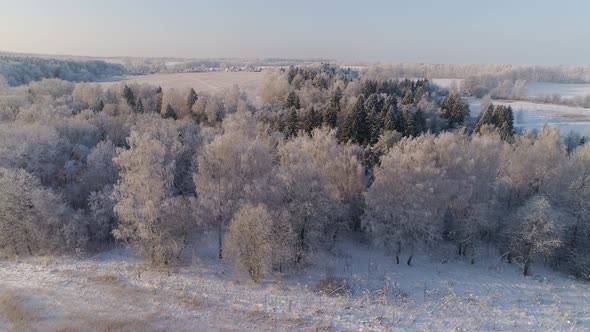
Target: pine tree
292	124
158	99
129	96
408	98
293	101
420	121
139	108
455	110
291	74
169	113
485	118
191	99
312	120
356	127
375	122
410	128
331	115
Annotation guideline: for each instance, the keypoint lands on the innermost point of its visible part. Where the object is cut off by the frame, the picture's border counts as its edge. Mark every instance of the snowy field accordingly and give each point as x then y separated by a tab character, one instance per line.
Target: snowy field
113	291
567	91
206	82
530	115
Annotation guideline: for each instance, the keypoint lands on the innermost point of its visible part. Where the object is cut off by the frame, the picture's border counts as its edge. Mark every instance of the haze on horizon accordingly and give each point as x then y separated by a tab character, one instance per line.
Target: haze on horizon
519	32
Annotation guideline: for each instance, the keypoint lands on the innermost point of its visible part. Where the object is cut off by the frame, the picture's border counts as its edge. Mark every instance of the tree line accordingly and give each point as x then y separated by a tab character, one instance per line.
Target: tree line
325	151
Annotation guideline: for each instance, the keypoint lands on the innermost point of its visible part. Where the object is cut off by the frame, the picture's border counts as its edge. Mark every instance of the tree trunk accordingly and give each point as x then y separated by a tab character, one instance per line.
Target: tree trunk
220	239
527	265
301	245
527	261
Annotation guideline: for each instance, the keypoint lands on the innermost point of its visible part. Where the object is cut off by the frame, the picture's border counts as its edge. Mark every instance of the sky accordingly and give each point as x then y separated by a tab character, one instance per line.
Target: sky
432	31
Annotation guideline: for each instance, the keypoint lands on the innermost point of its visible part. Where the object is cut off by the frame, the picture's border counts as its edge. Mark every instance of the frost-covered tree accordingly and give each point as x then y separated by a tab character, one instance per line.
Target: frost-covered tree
404	205
249	240
531	166
229	169
152	220
306	201
535	232
33	219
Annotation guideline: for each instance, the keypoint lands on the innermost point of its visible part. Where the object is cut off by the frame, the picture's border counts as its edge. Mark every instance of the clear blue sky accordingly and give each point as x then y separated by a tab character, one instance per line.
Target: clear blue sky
436	31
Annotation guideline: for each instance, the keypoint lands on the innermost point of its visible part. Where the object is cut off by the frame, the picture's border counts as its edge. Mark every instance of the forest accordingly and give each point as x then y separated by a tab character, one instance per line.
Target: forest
326	150
20	69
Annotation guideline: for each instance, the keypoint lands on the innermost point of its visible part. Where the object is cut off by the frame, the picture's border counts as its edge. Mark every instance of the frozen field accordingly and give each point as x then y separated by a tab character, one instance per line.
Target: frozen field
206	82
114	292
530	115
540	89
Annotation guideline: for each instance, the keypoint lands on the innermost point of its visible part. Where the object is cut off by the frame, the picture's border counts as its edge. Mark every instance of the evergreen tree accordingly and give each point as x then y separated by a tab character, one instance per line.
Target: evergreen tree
410	125
100	106
374	103
356	127
139	108
312	120
408	98
293	101
485	118
375	122
501	117
420	122
393	119
291	74
292	124
331	115
455	110
169	113
158	99
191	99
129	96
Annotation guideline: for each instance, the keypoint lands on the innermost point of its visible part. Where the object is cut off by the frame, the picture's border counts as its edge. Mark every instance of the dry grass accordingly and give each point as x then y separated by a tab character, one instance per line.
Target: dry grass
108	279
333	286
15	309
106	325
192	302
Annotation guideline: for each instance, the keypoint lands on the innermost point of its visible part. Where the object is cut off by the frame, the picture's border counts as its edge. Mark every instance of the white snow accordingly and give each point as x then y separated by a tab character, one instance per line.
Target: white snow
442	293
568	91
530	115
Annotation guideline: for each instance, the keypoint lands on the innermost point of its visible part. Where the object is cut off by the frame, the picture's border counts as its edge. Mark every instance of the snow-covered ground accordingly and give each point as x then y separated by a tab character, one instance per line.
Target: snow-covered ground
206	81
115	291
540	89
446	83
531	115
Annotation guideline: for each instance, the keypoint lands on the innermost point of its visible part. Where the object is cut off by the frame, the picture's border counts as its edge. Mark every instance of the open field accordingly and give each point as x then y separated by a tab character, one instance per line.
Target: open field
566	91
113	291
201	82
531	115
